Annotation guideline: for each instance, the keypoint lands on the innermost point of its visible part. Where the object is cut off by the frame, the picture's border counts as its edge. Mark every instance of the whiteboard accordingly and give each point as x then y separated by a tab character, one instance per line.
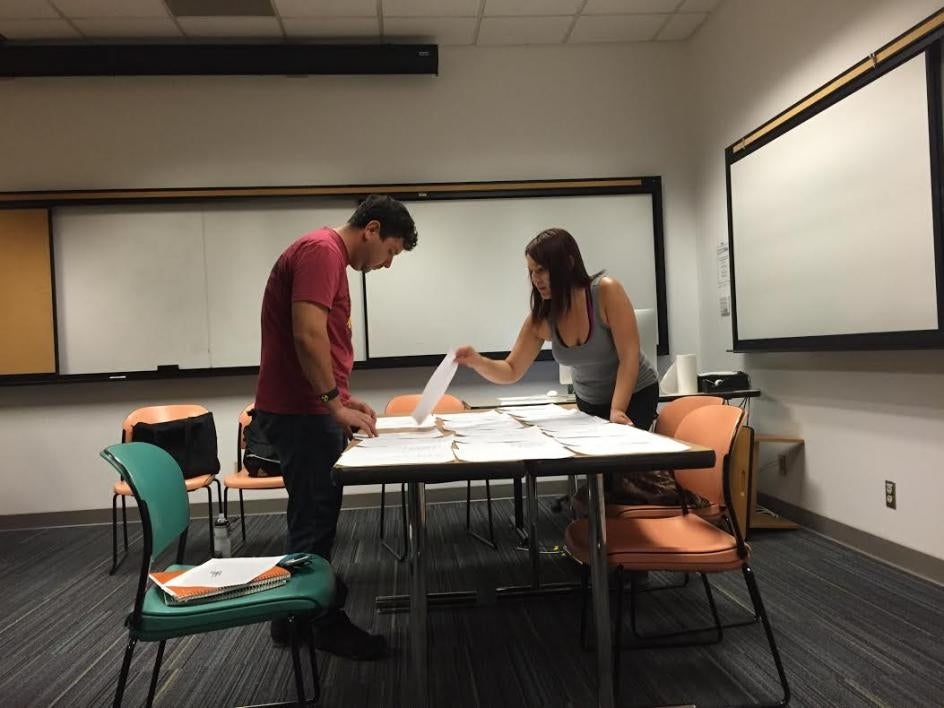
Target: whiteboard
242	243
466	282
831	221
130	288
142	286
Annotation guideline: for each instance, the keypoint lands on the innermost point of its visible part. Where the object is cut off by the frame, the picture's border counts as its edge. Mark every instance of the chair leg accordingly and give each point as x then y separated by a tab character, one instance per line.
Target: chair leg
584	591
383	493
124	521
398	554
123	676
219	494
759	610
314	662
242	515
114	534
618	630
210	519
155	673
719	631
294	625
490	541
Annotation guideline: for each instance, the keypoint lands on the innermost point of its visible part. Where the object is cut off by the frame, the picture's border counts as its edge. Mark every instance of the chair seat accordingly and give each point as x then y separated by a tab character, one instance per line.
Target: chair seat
712	512
242	480
685	543
310	590
192	484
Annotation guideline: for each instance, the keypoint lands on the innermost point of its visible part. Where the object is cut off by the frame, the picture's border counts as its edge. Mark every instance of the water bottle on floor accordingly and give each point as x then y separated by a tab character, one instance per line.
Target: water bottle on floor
222	547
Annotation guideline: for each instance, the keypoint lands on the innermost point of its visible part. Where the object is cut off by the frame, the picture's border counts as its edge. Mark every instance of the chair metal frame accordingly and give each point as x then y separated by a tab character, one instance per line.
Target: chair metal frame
133	620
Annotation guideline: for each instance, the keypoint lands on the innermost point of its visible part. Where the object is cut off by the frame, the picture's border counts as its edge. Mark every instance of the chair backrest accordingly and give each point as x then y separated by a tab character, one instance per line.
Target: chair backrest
245	418
159	414
714	427
158	486
404	404
674	412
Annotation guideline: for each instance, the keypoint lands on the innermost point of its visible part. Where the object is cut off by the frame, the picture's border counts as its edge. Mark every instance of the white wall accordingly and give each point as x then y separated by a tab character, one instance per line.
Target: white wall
491	114
866	417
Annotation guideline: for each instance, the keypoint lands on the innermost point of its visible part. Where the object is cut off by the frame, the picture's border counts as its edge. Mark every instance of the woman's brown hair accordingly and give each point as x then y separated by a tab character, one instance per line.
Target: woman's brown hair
557	252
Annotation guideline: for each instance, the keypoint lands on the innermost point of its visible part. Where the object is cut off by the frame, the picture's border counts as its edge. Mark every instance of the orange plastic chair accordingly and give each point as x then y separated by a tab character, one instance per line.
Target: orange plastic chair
156	414
241	480
684	542
403	405
671	415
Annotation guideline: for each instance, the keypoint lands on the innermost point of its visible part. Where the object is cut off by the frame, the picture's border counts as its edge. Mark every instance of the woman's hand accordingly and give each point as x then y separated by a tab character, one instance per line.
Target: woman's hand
618	416
467	356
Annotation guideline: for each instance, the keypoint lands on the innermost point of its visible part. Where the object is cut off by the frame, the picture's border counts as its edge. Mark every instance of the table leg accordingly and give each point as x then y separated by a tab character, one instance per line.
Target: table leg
519	510
416	508
533	551
600	585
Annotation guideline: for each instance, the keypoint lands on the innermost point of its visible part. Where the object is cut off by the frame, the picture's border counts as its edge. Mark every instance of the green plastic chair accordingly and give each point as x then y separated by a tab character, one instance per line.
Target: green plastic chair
159	490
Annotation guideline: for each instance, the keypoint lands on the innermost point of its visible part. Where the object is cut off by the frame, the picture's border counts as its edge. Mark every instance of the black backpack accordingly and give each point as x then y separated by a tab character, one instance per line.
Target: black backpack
260	457
190	441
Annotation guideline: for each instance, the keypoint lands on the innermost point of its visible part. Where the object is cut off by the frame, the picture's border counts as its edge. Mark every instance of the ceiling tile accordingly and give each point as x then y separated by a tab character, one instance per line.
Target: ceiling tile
230	26
430	8
112	8
326	8
533	8
26	9
524	30
37	29
617	28
621	7
699	5
127	27
681	26
451	30
332	27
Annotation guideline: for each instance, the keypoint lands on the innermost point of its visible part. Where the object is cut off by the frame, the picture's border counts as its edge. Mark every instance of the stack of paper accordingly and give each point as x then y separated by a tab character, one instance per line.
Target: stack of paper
502	450
398	451
404	422
220	579
534	414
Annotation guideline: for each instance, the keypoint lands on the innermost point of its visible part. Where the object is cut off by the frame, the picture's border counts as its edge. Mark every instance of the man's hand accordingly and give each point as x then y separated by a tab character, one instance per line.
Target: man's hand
359	405
351	418
618	416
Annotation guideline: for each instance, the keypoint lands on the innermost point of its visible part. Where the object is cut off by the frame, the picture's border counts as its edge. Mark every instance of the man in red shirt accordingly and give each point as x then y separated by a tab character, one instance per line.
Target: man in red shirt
303	403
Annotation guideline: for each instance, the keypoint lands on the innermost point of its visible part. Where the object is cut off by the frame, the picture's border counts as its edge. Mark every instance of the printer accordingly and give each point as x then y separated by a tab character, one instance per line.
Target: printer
716	381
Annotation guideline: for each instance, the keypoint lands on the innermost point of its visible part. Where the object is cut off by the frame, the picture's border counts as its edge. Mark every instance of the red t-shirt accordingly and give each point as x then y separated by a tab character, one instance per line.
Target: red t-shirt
312	269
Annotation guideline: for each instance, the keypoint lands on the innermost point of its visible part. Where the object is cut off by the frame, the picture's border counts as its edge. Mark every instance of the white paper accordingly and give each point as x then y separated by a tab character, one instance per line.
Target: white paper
407	452
502	451
532	414
436	386
471	417
223	572
481	434
669	382
403	435
625	446
404	422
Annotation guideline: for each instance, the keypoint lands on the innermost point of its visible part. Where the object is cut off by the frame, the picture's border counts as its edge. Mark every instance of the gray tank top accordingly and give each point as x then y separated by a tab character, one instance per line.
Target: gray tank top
594	363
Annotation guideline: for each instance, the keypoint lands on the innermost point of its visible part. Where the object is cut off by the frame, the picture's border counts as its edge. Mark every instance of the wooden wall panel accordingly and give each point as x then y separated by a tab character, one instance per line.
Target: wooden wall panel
26	297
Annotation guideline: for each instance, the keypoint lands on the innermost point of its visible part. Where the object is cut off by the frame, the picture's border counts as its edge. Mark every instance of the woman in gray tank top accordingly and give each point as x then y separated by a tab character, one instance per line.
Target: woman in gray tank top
591	325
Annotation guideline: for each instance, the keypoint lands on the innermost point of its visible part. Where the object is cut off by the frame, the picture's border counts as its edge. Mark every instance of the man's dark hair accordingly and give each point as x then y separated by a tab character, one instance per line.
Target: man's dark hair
395	220
557	251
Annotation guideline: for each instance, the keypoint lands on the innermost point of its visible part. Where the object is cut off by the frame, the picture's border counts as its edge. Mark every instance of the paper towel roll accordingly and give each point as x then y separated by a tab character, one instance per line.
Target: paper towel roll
686	369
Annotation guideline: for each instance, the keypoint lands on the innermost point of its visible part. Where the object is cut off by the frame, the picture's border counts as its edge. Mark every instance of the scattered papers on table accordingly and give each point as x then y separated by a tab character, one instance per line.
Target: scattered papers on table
533	414
405	452
404	422
623	445
388	438
501	451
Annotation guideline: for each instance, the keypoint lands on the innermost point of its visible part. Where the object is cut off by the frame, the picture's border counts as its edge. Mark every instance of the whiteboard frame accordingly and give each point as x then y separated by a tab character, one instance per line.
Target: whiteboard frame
805	109
406	192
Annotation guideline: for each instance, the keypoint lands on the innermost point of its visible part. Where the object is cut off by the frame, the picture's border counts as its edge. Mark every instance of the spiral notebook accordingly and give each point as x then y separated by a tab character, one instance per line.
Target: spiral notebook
191	595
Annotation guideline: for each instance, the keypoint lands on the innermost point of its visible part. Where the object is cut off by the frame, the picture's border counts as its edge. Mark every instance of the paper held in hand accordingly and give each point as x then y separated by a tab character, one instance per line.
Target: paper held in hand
436	386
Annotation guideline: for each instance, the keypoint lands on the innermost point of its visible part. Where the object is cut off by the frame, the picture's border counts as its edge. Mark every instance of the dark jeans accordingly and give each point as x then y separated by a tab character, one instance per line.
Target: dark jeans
642	407
642	411
307	446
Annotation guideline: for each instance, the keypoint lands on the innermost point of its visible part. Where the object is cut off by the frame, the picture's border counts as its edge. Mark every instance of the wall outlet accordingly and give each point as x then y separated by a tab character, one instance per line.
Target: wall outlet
891	500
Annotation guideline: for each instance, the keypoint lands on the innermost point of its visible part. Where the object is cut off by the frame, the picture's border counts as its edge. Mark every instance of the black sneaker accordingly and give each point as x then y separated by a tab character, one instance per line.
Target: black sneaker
281	632
337	635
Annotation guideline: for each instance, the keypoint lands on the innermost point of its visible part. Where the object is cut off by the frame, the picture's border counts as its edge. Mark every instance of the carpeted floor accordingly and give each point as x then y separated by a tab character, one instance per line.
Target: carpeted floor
852	631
